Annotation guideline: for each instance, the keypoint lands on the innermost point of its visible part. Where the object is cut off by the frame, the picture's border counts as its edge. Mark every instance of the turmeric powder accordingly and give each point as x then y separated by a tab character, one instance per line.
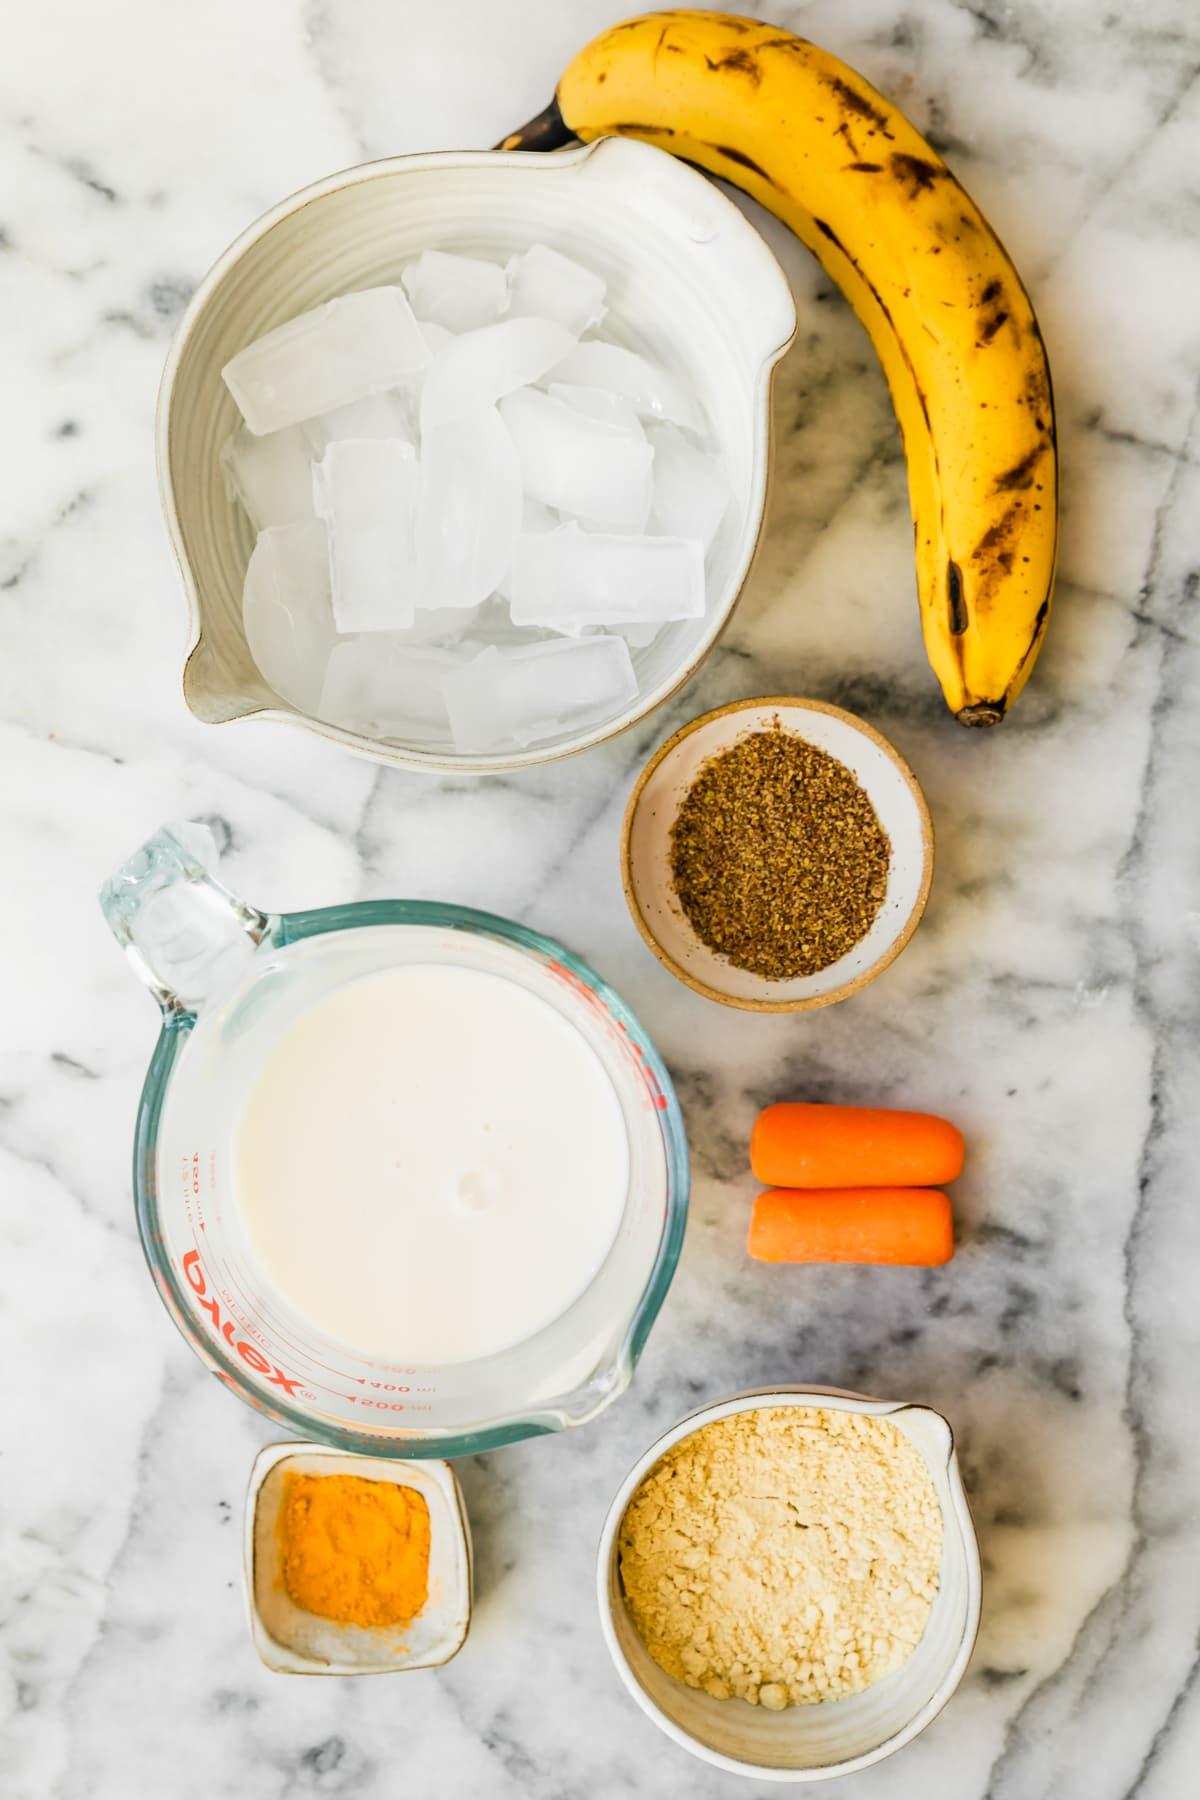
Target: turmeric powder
354	1551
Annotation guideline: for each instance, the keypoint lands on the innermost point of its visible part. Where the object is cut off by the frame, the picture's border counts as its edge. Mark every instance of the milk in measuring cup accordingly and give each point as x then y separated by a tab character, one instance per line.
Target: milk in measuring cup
431	1164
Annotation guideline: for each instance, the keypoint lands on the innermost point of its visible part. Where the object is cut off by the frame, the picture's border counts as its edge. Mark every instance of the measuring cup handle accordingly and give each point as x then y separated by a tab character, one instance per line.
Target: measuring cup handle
186	935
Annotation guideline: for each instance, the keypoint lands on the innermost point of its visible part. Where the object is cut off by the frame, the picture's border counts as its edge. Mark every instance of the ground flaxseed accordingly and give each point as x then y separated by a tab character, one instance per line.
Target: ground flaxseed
777	856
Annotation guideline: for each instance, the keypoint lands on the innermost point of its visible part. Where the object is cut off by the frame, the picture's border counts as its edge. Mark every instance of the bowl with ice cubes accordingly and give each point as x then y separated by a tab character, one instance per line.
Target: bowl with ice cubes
464	455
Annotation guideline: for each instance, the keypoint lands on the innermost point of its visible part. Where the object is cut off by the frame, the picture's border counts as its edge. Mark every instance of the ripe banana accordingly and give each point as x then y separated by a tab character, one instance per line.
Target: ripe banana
927	276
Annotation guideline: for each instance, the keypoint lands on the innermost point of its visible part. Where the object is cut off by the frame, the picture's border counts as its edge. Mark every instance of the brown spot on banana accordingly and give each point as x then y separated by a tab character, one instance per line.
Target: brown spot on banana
917	172
997	535
1037	393
989	328
636	128
852	101
1035	637
741	159
955	598
993	556
739	62
827	231
1021	473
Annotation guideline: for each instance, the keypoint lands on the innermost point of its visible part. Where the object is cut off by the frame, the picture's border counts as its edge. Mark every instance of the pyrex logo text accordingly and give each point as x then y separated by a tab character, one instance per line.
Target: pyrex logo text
250	1354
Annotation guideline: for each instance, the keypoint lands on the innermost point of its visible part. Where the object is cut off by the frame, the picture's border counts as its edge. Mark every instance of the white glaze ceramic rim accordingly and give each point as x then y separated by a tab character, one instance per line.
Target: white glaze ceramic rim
438	1483
761	268
839	1399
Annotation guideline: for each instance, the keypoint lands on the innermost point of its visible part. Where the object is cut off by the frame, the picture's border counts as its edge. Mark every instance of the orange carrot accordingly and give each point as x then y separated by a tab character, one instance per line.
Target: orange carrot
800	1146
852	1225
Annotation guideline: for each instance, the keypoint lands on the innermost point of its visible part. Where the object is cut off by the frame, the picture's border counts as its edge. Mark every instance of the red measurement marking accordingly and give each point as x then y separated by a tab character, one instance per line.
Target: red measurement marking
300	1352
250	1354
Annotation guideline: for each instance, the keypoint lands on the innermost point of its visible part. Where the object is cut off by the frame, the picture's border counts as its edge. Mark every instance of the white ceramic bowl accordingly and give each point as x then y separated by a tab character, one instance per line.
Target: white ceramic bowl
690	282
809	1743
646	852
294	1642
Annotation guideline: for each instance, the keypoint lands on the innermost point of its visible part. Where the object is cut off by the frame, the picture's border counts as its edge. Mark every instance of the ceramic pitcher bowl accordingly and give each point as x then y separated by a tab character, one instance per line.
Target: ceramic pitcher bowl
838	1737
690	282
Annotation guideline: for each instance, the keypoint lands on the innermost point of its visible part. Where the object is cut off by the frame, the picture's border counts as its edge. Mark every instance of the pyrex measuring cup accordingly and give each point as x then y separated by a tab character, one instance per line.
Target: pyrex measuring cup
229	980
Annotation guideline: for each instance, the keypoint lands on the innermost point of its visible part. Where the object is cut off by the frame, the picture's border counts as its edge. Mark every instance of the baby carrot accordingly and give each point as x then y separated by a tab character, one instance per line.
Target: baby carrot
852	1225
801	1146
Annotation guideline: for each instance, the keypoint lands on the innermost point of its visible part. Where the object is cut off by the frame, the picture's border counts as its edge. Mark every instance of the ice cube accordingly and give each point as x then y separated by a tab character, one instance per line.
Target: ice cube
469	512
362	344
436	338
579	464
598	403
639	637
535	518
691	494
439	627
492	624
383	686
366	490
529	694
478	368
573	578
546	285
271	476
652	390
287	611
375	416
459	292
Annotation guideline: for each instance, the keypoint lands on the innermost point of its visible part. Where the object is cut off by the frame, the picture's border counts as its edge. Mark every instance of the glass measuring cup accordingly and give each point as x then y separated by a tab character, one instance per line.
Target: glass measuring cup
229	980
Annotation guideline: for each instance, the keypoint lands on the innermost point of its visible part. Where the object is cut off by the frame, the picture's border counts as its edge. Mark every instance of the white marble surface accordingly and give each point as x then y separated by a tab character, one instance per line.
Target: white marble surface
1048	1003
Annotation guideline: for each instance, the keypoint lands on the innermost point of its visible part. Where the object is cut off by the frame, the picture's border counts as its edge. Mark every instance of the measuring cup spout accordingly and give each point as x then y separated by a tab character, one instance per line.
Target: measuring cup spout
186	935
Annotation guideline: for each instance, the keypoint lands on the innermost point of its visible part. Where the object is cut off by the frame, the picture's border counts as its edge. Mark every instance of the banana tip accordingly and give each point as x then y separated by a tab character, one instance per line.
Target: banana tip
984	712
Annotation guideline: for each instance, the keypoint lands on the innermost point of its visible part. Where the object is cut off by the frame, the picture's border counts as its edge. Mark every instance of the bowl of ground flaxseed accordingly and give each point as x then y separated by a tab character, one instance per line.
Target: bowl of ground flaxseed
777	854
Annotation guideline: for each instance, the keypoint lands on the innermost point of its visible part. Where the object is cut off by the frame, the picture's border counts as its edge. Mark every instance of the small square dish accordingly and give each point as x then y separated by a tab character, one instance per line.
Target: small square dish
293	1641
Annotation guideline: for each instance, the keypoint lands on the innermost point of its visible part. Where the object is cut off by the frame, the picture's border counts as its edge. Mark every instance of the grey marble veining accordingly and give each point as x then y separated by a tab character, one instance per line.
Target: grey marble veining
1048	1002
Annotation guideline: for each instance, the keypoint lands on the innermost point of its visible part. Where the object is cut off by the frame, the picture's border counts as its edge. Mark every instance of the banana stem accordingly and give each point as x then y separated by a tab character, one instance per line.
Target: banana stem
549	131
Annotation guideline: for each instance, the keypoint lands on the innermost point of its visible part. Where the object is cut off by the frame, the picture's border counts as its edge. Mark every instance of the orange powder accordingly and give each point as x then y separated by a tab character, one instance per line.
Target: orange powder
354	1551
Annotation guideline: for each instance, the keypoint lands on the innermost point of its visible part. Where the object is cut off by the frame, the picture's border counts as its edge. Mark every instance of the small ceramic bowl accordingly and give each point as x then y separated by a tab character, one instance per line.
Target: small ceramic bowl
690	282
646	852
809	1743
294	1642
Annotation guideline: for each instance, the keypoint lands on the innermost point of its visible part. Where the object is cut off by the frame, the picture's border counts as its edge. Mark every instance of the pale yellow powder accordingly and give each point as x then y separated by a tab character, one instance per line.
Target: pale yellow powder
784	1556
